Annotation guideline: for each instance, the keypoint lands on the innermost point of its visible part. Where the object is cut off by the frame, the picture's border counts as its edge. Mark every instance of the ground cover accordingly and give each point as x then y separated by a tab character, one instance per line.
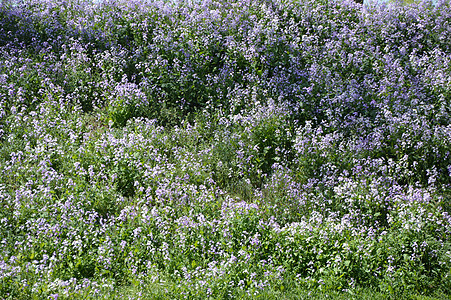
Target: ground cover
271	149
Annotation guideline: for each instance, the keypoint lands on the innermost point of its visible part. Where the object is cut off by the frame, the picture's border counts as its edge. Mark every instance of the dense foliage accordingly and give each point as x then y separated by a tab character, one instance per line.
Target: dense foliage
224	148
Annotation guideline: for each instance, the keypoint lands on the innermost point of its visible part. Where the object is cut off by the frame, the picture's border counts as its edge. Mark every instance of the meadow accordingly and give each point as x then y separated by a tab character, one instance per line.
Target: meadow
225	149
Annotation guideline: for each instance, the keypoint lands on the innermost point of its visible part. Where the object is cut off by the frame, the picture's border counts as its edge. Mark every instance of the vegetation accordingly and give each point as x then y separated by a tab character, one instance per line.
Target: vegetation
222	149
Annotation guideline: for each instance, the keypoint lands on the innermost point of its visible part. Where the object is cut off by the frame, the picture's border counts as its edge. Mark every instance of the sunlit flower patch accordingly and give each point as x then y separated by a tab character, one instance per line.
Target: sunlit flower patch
224	149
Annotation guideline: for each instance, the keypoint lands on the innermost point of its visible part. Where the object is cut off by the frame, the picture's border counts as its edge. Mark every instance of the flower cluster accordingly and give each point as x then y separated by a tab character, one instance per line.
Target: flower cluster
224	149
